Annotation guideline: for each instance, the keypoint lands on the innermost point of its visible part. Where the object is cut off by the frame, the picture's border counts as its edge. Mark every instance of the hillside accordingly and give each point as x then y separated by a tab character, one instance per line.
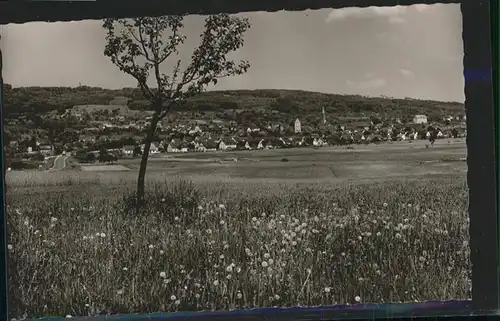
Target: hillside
236	105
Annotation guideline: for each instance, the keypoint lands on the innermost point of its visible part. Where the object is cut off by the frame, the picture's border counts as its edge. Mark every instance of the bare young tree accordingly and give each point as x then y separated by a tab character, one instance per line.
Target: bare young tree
139	47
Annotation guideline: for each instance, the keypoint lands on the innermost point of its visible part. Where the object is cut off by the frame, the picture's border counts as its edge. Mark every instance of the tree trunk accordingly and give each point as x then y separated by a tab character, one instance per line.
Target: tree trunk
144	163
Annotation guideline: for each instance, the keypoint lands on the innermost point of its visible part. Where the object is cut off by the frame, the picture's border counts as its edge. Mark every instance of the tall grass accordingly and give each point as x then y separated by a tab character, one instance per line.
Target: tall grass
230	246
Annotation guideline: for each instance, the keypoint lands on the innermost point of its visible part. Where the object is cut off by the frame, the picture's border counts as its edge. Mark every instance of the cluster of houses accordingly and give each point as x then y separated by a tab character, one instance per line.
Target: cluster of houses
216	135
208	144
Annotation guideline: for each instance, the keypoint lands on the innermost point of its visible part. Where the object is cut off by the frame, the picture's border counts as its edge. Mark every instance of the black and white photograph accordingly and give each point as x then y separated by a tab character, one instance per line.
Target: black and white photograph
236	161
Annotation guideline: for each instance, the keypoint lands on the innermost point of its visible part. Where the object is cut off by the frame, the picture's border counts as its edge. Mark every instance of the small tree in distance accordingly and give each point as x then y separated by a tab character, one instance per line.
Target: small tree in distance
138	47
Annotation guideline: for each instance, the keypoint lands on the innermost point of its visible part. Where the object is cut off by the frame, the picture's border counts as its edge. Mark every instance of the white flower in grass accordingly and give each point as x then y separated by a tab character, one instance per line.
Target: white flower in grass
163	275
357	298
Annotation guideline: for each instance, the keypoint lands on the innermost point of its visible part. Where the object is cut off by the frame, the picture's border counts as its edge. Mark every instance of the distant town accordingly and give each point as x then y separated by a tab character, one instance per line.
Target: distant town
108	132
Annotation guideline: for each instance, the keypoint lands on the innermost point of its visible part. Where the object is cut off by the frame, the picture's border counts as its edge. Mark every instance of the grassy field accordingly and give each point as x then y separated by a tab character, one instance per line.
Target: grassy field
327	226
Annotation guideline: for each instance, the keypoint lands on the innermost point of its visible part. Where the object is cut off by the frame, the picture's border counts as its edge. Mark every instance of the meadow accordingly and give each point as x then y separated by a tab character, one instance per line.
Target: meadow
241	240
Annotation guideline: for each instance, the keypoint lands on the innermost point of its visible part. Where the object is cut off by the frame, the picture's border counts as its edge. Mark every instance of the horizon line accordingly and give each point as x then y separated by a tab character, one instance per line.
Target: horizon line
255	89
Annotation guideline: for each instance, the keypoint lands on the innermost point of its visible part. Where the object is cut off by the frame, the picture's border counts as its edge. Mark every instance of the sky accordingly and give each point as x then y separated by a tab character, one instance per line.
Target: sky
405	51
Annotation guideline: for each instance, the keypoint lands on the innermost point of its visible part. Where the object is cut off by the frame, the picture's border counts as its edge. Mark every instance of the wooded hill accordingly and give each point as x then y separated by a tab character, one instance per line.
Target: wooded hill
268	104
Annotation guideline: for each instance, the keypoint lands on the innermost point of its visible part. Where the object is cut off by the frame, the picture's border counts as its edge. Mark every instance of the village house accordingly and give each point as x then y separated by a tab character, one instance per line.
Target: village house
184	146
420	119
153	149
221	145
173	147
128	150
211	145
260	145
46	150
318	142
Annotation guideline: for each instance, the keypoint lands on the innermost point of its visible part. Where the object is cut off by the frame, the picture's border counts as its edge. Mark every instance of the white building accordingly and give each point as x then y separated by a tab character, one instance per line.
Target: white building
319	142
297	126
128	150
420	119
222	146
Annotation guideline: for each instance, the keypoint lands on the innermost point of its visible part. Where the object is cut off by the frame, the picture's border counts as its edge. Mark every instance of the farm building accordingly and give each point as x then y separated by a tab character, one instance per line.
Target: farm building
46	150
128	150
420	119
222	146
119	101
173	147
